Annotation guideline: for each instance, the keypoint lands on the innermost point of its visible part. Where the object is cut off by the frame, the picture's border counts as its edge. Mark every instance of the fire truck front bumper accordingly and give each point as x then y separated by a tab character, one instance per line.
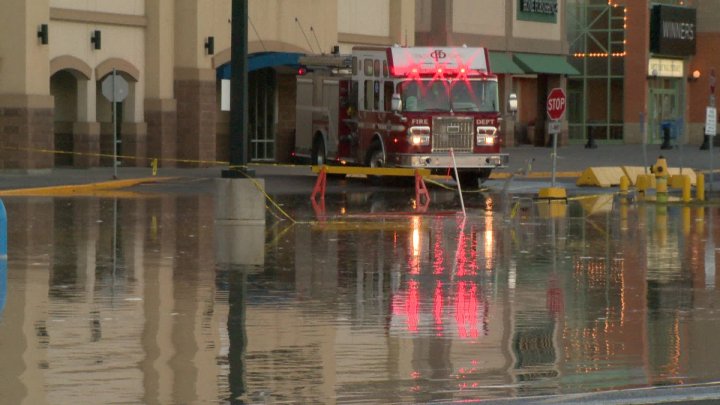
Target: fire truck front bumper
462	160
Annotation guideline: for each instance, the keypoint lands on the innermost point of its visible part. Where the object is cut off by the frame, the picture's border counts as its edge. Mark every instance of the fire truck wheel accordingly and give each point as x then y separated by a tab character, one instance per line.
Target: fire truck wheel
376	160
318	153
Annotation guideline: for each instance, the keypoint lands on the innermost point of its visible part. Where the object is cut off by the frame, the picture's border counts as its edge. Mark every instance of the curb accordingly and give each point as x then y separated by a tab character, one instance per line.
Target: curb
82	189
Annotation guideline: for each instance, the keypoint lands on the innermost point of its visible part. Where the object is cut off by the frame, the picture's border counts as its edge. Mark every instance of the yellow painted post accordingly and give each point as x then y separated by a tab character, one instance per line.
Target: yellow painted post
661	189
661	221
686	188
624	184
154	167
642	183
700	187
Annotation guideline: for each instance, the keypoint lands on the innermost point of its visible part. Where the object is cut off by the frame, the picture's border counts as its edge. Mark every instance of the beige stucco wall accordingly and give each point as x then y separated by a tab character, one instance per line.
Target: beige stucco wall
536	30
367	17
134	7
22	58
277	29
126	43
488	19
423	15
193	24
160	49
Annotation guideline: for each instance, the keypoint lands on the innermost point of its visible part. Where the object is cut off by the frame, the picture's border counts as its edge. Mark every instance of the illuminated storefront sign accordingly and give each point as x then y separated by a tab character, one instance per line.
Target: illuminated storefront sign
538	10
673	30
658	67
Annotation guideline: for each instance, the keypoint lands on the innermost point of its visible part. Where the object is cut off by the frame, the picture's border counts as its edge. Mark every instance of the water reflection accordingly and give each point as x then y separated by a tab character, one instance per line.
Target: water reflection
146	300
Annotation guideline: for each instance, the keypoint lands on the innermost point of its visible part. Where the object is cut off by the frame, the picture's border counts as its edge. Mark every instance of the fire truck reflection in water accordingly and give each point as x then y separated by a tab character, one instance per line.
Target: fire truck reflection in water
448	281
433	108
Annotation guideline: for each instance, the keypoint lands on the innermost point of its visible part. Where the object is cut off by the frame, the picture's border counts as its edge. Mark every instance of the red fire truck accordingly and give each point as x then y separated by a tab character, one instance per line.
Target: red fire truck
413	107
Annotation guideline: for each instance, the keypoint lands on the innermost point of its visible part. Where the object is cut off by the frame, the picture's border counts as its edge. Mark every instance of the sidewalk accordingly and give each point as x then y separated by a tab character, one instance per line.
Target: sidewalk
571	158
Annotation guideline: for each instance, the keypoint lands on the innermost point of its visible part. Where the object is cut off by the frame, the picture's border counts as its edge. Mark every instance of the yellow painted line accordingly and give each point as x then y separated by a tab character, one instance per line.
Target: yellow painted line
534	175
81	189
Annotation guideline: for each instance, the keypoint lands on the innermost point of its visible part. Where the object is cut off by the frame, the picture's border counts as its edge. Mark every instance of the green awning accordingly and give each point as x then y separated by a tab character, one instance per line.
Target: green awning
549	64
502	63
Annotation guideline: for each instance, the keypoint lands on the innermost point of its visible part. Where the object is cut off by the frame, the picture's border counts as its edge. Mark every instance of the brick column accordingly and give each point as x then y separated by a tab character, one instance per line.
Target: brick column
134	143
161	118
86	144
195	92
26	132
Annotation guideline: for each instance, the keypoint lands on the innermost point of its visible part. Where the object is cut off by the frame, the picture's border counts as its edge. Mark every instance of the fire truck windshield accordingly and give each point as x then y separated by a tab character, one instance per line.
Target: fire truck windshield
441	95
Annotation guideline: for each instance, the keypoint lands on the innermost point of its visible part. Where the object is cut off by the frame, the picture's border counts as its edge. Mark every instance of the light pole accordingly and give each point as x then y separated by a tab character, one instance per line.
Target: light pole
238	92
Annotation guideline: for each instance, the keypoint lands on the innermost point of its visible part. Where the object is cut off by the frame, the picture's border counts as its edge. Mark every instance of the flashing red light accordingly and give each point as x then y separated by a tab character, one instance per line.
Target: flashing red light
301	71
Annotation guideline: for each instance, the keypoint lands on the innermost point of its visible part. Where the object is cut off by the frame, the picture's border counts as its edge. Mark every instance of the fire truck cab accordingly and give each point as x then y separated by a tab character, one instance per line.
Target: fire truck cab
414	107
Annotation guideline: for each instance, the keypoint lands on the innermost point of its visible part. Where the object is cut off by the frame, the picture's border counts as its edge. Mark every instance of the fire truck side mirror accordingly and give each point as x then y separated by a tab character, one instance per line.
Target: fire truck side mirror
396	103
512	104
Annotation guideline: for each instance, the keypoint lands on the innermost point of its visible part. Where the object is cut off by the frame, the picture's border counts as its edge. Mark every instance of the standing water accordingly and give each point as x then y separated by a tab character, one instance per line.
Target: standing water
128	300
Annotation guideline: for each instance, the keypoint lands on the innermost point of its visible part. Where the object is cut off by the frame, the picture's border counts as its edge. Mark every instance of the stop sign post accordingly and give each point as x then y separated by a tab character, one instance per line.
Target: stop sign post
115	89
555	110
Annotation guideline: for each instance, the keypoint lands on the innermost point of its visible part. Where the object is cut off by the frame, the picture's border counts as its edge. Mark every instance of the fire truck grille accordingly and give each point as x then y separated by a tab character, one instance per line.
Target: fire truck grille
452	132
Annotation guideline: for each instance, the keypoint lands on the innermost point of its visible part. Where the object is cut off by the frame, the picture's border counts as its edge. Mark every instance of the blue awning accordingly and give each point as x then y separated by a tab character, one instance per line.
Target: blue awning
263	60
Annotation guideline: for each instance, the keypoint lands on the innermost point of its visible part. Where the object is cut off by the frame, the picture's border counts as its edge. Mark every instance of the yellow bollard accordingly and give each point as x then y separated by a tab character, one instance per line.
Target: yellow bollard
700	187
661	189
624	184
154	166
642	183
686	186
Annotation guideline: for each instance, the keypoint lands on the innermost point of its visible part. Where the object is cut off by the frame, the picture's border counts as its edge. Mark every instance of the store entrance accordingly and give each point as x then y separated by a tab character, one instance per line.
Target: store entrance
665	112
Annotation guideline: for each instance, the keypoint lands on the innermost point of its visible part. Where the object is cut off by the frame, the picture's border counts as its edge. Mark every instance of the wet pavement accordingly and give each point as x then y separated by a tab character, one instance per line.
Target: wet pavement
130	299
141	296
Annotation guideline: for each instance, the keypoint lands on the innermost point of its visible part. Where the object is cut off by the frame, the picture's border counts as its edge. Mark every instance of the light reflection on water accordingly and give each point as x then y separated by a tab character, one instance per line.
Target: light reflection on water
127	301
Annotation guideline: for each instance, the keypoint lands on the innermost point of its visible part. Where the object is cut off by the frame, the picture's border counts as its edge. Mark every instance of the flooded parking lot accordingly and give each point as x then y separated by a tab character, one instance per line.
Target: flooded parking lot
132	298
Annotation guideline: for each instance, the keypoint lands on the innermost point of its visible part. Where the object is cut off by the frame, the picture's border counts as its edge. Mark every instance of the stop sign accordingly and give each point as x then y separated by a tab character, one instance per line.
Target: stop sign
556	103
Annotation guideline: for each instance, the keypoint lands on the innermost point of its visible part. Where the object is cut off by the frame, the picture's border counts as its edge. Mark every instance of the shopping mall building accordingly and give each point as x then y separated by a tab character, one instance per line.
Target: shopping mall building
630	70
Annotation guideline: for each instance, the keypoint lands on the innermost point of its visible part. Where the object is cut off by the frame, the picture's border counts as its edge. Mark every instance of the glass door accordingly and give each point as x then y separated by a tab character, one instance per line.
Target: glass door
664	109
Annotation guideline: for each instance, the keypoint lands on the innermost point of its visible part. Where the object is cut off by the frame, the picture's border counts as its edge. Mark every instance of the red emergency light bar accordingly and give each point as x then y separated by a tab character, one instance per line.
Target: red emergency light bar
438	62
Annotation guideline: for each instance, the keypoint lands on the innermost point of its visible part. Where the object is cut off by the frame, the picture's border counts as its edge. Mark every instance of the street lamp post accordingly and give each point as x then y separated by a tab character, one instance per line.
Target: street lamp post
238	92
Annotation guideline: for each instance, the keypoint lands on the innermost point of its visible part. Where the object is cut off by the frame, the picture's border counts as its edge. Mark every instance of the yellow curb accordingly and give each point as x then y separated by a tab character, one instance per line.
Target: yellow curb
79	189
535	175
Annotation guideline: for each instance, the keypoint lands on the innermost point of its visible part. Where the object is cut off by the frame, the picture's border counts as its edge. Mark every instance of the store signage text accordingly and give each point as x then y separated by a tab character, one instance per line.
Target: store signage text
539	6
658	67
545	11
673	30
676	30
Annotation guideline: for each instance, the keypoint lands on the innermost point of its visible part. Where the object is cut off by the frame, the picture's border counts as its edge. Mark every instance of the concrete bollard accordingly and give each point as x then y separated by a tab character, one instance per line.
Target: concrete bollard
240	221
